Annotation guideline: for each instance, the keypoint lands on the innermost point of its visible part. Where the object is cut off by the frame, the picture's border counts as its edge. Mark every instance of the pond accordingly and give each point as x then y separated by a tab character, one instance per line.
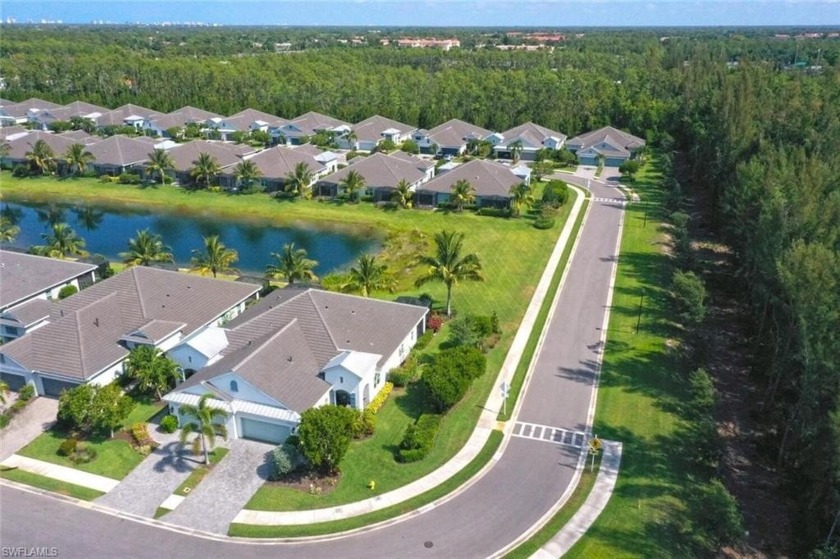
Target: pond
107	231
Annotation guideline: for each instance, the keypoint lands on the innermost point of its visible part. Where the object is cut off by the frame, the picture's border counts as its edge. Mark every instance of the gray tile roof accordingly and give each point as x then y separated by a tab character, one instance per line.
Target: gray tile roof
379	170
120	151
277	162
311	122
19	147
30	312
74	109
370	129
531	135
456	132
245	118
15	130
181	117
117	116
84	332
421	164
18	110
185	155
609	134
486	177
23	276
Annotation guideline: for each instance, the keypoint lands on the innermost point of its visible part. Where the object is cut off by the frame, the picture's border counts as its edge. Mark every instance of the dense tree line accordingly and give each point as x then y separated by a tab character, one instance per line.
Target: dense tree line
759	133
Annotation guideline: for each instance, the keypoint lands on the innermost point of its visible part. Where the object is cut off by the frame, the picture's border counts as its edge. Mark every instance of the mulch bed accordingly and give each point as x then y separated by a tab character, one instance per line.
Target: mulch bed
309	482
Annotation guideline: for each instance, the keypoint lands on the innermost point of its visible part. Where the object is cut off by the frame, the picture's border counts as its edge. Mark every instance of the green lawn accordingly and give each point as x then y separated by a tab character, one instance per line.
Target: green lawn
639	395
50	484
201	472
145	409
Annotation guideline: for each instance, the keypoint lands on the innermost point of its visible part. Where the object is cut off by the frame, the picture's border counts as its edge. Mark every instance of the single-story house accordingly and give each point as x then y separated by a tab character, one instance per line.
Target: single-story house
185	155
375	129
20	113
81	137
616	146
329	159
301	128
21	145
118	154
158	126
276	164
88	335
382	173
449	138
247	121
77	109
532	138
297	349
127	115
492	183
8	133
27	285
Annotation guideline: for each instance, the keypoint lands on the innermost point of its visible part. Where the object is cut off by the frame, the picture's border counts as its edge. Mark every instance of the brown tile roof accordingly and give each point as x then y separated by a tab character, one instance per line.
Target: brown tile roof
245	118
379	170
19	147
278	162
30	312
181	117
120	151
24	275
623	140
311	122
19	110
456	133
117	116
487	178
185	155
530	134
370	129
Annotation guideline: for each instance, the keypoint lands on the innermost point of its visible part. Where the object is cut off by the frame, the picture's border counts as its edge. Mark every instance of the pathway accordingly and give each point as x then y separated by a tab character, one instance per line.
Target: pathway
36	417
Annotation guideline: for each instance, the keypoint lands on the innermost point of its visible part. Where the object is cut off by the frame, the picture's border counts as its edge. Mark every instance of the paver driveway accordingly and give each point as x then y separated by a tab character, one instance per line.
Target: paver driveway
36	417
220	496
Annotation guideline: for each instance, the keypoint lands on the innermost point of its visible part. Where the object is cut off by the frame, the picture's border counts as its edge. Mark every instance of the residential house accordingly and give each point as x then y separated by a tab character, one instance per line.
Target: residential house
27	285
128	115
381	172
21	145
8	133
160	126
371	131
530	137
329	159
21	113
449	138
276	164
300	129
184	157
492	183
77	109
89	335
246	121
297	349
117	154
81	137
615	146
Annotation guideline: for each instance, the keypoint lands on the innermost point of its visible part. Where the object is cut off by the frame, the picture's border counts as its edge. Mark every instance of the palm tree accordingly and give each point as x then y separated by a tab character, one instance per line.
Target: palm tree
77	158
90	217
41	157
4	389
51	214
299	181
368	276
216	258
462	193
160	162
8	231
351	139
515	150
403	195
448	266
207	422
292	264
62	242
521	194
82	123
146	248
152	368
5	149
352	184
246	172
205	169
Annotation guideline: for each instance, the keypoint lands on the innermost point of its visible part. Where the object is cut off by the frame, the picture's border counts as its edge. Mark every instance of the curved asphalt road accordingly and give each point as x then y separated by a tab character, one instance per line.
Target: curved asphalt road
524	484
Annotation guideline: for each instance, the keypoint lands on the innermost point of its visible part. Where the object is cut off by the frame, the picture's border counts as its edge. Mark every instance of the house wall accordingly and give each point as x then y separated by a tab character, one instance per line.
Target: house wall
108	375
342	379
401	353
246	391
188	358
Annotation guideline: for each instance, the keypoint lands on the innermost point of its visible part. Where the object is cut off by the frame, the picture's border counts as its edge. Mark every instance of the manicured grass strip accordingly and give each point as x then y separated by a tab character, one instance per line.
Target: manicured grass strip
531	346
581	492
201	472
50	484
161	512
114	457
253	531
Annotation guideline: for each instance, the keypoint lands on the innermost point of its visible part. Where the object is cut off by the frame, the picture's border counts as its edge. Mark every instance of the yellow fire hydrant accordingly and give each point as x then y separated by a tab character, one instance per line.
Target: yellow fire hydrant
372	485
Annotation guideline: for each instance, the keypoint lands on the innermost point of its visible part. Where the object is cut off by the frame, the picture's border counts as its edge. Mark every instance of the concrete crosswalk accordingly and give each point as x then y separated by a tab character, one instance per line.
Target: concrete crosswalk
546	433
614	200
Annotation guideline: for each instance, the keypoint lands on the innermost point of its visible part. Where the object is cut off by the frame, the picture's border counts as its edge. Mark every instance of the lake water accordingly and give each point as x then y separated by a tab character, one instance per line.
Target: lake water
107	231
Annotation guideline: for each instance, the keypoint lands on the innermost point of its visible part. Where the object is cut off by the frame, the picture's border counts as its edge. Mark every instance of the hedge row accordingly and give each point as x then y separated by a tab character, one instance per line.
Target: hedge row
419	438
379	401
451	373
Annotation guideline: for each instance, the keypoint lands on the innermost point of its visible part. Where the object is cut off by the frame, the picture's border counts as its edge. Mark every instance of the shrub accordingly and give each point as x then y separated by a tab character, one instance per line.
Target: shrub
368	198
129	178
169	424
467	361
109	179
380	398
26	393
451	373
718	516
702	389
689	294
20	171
67	291
140	433
434	322
495	212
555	194
67	447
424	340
285	459
419	438
543	223
5	419
407	373
471	330
82	455
364	424
325	434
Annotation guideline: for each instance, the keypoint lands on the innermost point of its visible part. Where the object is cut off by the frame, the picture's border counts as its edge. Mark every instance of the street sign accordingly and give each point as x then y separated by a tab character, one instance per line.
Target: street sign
505	388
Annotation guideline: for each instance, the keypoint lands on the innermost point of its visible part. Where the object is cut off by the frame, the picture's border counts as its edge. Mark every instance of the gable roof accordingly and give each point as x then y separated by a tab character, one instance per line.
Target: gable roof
118	116
379	171
12	132
456	132
74	109
421	164
531	135
278	162
85	329
24	275
28	313
613	136
184	155
183	116
120	151
311	122
19	146
19	110
371	129
486	177
246	117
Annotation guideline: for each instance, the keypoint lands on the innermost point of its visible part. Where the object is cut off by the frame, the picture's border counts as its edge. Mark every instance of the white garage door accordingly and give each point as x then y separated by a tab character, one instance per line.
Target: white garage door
264	431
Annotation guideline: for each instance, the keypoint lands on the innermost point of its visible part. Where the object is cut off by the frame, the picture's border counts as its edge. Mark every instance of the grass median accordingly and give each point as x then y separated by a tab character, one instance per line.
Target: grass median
50	484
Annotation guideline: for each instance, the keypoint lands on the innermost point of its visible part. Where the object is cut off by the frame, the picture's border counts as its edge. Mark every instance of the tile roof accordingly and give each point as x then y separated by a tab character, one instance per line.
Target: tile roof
30	312
531	135
24	275
278	162
19	110
486	177
370	129
12	132
20	146
120	151
613	136
74	109
311	122
245	118
118	116
181	117
379	171
456	132
184	155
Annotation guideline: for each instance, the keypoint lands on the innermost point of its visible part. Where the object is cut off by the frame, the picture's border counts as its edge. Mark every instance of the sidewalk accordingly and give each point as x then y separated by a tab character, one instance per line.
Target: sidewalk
486	423
61	473
586	515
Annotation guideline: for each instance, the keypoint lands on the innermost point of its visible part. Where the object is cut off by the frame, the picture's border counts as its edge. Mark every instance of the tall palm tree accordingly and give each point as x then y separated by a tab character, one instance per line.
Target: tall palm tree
352	184
462	193
351	139
292	264
403	195
206	421
8	230
367	276
246	172
61	242
146	248
153	370
521	195
82	123
4	389
205	169
515	150
448	266
41	158
300	181
215	259
77	158
160	162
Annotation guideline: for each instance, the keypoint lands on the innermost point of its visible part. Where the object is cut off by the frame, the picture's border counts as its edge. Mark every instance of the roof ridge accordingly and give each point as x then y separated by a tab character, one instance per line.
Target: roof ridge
139	294
77	331
321	317
267	340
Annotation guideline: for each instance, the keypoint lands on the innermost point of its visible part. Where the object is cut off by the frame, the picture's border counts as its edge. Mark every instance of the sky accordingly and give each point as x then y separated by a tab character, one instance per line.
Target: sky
449	13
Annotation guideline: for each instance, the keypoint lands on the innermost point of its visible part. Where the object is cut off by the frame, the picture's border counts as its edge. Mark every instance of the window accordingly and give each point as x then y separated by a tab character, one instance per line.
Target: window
189	358
376	378
341	380
234	386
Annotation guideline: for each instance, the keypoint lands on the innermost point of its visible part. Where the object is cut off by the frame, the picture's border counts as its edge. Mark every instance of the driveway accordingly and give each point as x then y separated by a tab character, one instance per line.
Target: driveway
143	490
220	496
35	418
